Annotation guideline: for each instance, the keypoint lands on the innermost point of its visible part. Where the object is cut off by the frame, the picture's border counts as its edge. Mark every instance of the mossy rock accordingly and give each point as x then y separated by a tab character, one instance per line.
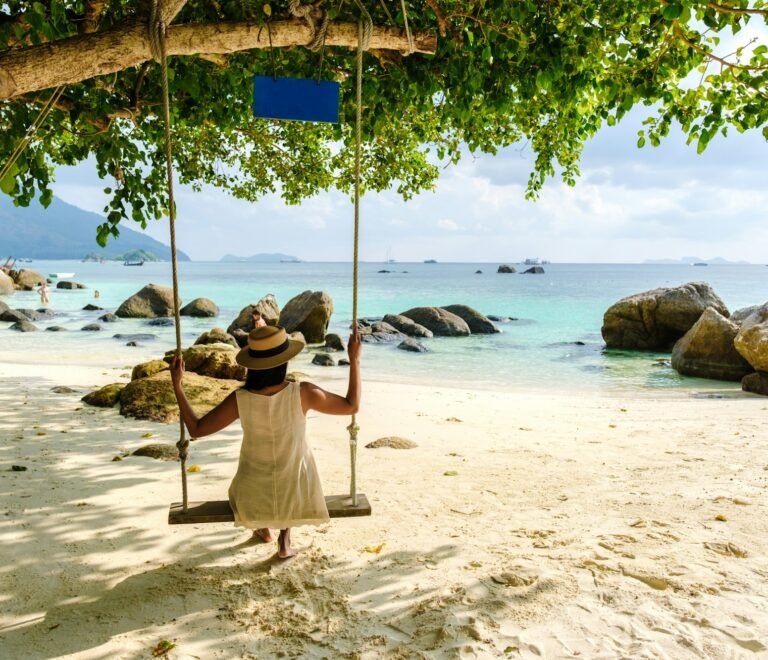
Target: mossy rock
160	452
146	369
152	398
104	397
214	360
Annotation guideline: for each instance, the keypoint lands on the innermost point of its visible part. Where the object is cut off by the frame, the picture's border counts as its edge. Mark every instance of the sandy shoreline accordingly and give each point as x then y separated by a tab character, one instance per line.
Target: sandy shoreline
523	525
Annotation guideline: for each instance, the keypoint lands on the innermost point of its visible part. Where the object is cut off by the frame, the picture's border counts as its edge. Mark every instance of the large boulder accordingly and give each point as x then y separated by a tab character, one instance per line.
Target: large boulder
200	308
478	323
152	301
740	315
104	397
213	360
12	315
267	307
66	284
504	268
412	346
153	398
407	326
379	332
309	313
6	284
323	360
27	280
656	319
757	383
334	342
752	339
534	270
147	369
707	349
23	325
216	336
32	314
441	322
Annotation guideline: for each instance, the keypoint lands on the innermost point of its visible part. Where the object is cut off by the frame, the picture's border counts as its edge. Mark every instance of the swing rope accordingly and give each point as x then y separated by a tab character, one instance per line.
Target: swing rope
157	42
364	29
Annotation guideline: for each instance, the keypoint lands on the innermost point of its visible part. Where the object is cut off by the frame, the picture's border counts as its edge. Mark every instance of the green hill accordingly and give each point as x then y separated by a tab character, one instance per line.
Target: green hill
63	231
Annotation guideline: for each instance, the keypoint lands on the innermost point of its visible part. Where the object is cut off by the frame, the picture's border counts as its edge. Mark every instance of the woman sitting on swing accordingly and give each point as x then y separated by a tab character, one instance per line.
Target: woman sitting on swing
277	485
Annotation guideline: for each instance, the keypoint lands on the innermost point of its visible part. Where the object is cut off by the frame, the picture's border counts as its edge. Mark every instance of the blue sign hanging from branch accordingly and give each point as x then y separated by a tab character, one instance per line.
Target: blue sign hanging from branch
296	99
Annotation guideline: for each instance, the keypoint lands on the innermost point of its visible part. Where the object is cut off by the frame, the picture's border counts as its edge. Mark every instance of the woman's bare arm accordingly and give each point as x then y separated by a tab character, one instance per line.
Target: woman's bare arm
214	420
316	398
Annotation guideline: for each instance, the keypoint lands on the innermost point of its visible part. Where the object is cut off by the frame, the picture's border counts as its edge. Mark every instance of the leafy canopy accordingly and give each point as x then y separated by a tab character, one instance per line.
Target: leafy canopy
547	73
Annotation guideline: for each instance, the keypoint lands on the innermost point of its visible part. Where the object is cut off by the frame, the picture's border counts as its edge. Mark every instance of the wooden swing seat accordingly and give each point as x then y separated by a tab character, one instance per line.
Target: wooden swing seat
339	506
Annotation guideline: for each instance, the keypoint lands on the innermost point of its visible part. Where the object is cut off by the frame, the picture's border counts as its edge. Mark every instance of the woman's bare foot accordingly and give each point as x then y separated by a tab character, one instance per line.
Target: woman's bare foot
284	549
263	535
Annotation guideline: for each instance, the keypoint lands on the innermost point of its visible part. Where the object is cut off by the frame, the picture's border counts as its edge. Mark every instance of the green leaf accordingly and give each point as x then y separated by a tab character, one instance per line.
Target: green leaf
641	143
672	11
7	184
46	197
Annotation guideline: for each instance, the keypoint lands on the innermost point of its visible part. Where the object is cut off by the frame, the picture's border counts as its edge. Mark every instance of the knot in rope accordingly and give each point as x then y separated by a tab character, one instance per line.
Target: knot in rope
156	29
318	28
182	445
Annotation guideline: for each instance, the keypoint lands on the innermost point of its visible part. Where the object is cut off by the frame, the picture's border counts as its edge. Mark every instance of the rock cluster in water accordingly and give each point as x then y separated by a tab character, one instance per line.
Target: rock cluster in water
692	322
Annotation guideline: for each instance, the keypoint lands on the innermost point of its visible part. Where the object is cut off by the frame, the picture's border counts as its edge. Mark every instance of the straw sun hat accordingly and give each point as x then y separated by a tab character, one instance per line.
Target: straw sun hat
268	346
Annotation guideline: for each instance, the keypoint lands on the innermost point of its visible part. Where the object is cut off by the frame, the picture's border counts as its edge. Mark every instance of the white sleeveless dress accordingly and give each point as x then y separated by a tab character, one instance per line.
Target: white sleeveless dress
277	484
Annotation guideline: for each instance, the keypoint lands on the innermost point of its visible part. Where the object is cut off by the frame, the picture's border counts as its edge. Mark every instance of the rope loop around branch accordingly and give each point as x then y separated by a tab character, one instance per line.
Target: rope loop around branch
156	31
318	27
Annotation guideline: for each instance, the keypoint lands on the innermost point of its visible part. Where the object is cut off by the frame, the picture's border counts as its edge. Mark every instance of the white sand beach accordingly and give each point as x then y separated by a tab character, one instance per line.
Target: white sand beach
523	525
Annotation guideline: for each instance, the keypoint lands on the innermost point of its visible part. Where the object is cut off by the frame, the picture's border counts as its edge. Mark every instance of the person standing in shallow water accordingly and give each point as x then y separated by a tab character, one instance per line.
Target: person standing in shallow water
43	291
277	485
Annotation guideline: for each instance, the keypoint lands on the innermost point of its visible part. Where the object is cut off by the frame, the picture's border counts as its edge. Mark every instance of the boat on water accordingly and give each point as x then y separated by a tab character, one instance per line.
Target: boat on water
140	262
60	276
532	261
430	261
700	263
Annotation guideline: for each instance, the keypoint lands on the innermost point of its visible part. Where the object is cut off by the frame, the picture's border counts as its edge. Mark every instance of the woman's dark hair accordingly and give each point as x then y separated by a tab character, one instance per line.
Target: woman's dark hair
258	379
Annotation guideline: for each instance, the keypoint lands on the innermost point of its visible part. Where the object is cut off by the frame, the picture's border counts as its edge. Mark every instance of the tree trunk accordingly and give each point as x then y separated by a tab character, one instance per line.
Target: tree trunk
68	61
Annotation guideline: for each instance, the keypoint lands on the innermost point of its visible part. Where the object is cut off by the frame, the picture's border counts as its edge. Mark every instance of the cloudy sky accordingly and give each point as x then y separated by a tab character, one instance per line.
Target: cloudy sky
629	205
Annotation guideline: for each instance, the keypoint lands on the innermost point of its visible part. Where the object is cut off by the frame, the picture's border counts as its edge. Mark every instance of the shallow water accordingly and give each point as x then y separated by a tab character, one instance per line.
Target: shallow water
554	310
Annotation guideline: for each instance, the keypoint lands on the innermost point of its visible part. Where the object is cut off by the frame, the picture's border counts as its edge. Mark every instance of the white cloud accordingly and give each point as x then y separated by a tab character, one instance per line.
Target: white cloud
447	225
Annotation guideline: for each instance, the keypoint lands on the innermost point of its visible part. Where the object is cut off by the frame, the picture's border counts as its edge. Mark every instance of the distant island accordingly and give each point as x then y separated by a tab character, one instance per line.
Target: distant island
64	231
695	261
131	255
262	257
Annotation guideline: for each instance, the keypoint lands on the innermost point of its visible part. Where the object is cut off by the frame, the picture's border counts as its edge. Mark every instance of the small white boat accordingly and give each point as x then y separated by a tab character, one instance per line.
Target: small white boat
60	276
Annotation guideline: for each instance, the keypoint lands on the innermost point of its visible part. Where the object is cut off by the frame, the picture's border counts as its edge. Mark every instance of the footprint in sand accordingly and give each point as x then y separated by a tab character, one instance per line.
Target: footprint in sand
520	578
726	549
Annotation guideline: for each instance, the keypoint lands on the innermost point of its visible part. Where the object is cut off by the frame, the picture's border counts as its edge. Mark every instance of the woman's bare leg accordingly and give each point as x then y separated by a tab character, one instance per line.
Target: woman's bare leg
284	549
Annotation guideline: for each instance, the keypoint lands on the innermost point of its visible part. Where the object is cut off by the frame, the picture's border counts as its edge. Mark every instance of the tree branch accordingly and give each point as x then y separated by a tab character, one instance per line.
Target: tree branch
442	19
736	10
72	60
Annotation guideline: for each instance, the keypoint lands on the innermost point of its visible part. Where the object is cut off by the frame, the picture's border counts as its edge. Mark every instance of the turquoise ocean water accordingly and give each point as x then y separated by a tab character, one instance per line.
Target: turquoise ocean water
556	309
